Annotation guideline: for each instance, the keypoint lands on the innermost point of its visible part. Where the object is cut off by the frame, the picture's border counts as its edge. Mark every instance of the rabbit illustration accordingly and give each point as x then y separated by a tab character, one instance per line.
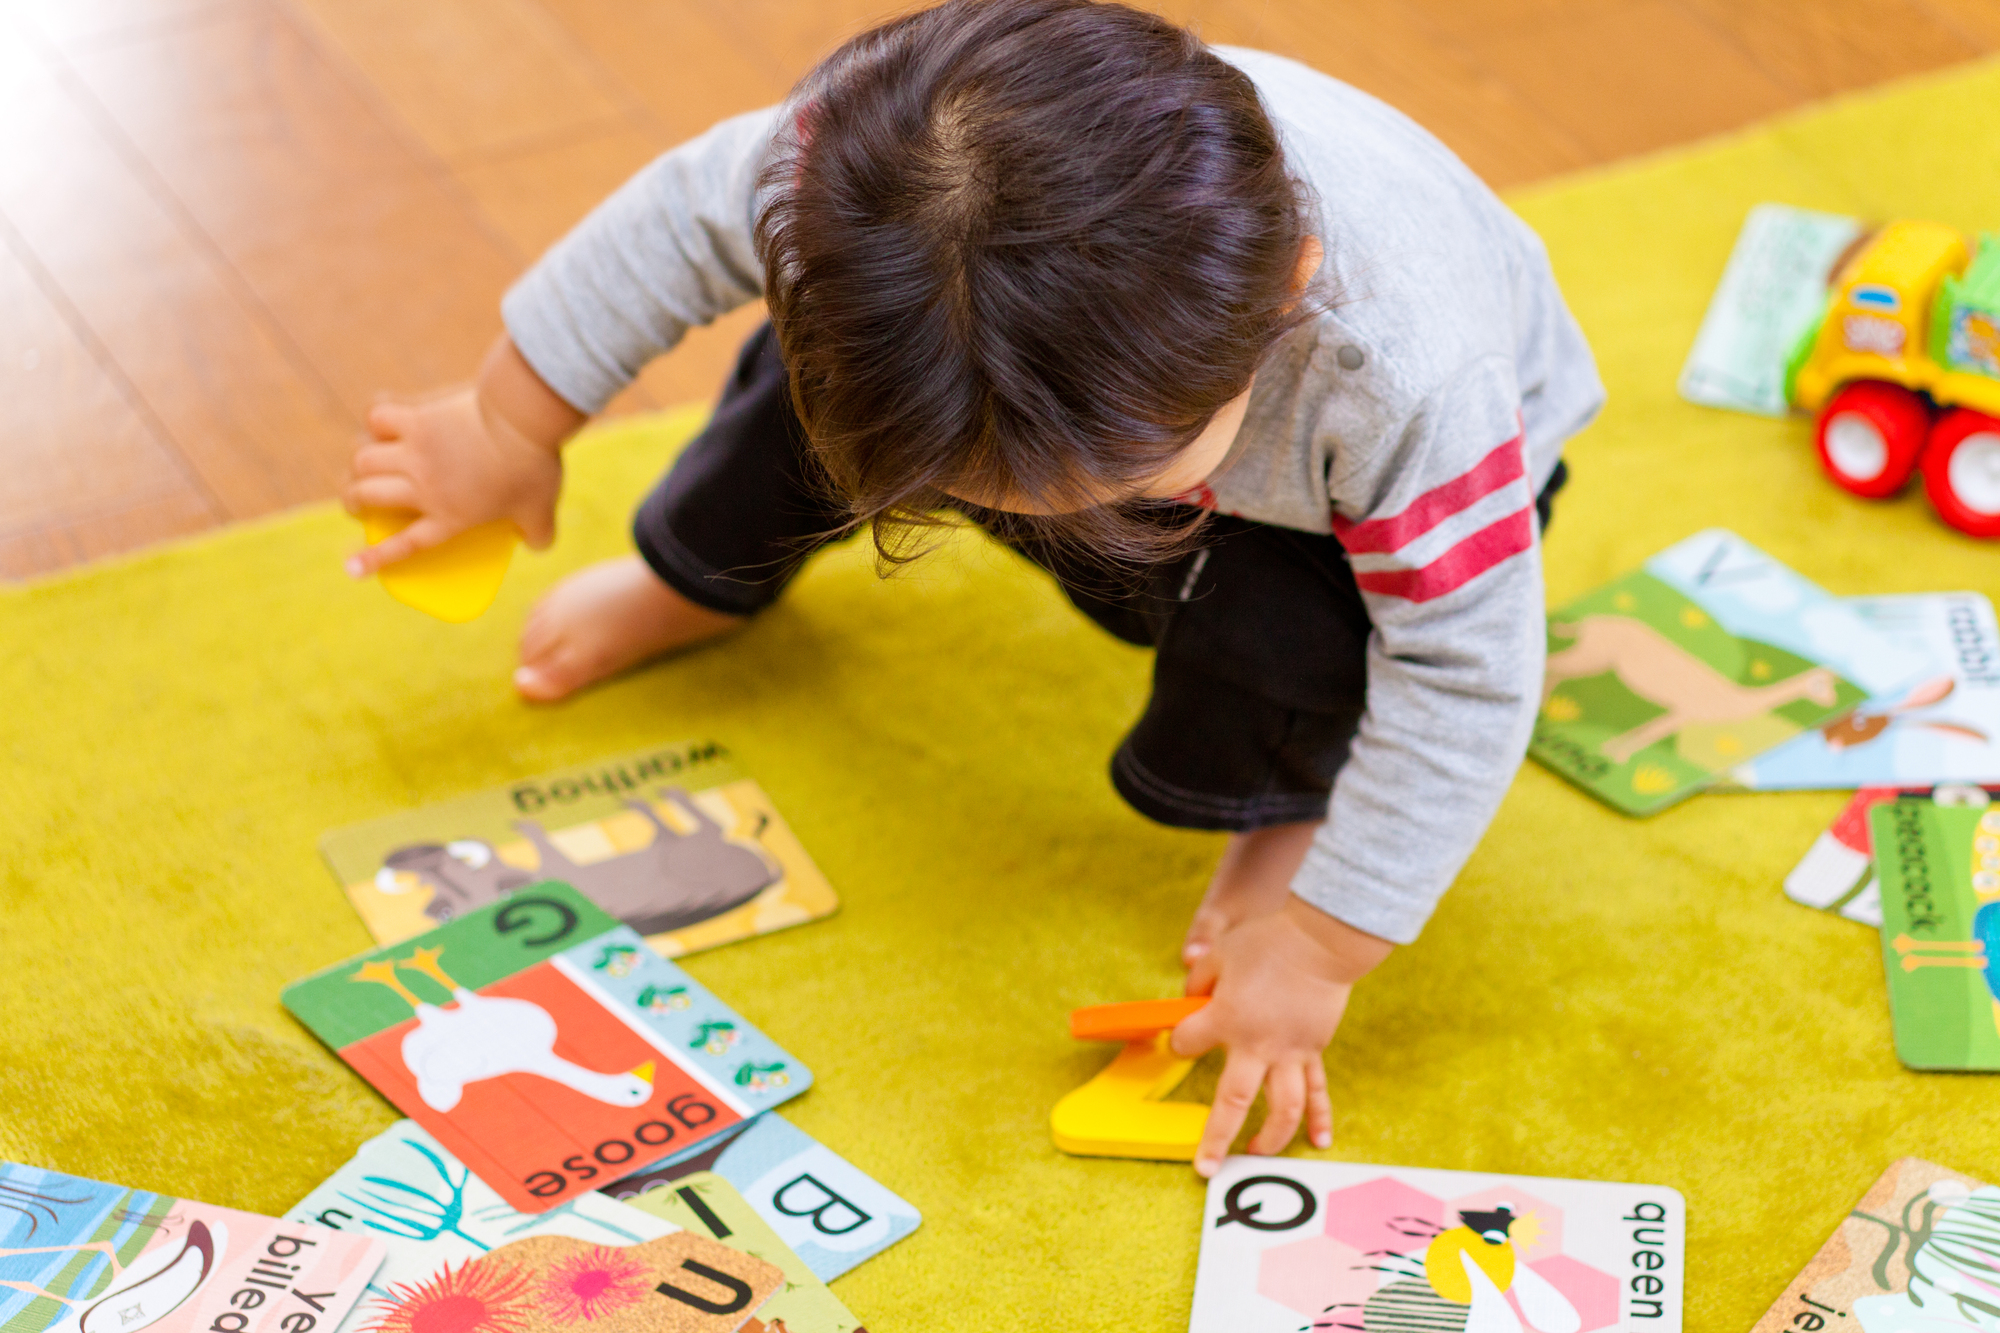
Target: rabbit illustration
1858	728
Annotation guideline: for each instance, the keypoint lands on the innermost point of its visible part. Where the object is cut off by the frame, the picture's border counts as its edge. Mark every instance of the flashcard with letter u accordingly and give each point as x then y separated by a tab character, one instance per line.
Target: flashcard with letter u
1291	1245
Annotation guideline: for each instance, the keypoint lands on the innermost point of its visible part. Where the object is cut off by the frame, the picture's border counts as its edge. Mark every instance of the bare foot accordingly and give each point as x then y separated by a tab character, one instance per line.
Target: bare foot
1254	878
600	621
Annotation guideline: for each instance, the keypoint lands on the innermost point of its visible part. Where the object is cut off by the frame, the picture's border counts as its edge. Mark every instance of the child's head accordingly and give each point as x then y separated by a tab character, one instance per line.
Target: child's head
1028	254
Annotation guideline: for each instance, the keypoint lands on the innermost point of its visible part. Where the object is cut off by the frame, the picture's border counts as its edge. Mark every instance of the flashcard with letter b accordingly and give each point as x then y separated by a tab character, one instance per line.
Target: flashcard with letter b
1288	1245
544	1045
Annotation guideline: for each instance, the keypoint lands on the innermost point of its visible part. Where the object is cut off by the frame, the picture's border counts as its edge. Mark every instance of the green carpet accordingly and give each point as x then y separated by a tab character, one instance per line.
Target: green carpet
1598	997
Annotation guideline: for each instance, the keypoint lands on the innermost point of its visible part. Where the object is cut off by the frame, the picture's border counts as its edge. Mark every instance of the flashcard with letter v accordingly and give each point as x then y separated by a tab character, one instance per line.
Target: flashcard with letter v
544	1045
1289	1245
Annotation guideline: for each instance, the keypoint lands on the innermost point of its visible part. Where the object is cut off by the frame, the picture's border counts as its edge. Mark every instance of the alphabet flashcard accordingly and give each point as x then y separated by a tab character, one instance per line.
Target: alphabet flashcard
81	1256
1661	682
1920	1251
544	1045
674	841
1290	1245
1772	291
833	1214
679	1283
1940	869
1837	873
1945	728
707	1205
426	1206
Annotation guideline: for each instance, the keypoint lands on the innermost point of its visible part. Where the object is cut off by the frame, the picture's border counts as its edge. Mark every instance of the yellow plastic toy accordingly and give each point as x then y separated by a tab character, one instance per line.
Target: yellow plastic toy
1120	1112
1903	370
454	581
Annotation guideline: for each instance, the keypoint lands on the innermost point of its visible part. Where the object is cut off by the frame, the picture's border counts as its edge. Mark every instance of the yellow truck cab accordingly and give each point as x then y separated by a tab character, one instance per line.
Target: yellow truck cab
1903	371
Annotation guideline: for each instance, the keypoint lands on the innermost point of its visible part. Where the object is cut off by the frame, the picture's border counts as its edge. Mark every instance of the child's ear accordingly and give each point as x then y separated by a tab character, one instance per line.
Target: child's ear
1311	252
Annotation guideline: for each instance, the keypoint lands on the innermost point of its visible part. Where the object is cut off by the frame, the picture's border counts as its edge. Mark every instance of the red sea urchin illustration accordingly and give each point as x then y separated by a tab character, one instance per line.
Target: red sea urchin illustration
591	1284
478	1296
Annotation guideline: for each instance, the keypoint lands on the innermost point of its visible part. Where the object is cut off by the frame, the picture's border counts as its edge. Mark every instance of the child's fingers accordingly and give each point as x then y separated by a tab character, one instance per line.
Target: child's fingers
419	536
1319	1106
392	492
1201	975
372	460
1284	1105
389	421
1195	1035
1234	1093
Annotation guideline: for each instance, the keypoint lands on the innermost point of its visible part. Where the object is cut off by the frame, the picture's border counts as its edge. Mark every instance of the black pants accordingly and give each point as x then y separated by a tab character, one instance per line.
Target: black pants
1260	674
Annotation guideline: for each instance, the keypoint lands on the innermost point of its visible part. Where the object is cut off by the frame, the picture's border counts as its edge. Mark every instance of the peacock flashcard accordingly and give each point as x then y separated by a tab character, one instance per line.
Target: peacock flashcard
1341	1247
675	841
1940	871
1837	873
1661	682
1918	1253
544	1045
81	1256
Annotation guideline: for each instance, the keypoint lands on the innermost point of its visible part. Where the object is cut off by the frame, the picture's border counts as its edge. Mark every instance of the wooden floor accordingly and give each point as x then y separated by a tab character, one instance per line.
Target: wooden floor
227	225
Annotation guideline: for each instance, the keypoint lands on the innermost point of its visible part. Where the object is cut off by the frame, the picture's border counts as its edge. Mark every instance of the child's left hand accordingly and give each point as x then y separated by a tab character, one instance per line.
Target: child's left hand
1279	984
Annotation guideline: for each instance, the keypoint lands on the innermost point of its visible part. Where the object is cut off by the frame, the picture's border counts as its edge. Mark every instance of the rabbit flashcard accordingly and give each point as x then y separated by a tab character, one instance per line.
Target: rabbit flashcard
1944	728
531	1039
673	841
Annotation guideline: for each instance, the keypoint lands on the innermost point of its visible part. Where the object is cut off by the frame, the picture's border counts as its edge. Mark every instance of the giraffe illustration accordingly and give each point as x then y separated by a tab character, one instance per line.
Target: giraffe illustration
478	1037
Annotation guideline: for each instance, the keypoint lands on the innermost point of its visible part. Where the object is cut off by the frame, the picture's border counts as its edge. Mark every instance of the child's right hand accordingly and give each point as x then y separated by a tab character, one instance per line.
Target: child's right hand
462	458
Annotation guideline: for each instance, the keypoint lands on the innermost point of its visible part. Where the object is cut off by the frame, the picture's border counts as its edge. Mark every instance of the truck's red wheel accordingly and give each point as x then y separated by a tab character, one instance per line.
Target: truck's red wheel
1870	435
1962	471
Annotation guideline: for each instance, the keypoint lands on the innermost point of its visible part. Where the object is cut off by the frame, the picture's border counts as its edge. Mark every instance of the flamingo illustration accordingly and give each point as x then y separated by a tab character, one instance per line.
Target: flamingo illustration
484	1036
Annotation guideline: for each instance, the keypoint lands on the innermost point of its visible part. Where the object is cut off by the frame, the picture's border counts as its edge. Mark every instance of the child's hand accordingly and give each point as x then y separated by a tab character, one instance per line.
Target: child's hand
1280	984
463	458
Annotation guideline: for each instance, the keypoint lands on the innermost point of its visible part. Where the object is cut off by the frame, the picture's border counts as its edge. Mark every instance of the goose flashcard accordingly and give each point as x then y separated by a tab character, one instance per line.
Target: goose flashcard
680	1283
1661	682
833	1214
405	1189
707	1205
1919	1252
81	1256
1945	728
544	1045
1341	1247
1837	873
1940	869
673	841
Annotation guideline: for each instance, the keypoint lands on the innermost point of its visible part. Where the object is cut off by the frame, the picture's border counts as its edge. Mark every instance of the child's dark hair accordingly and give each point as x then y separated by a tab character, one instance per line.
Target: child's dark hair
1025	249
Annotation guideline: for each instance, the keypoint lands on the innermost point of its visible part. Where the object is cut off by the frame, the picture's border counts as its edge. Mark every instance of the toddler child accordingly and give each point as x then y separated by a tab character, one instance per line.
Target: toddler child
1251	363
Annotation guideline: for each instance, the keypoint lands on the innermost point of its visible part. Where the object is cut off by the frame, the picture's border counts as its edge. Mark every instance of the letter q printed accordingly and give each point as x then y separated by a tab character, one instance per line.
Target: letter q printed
545	1046
1292	1245
81	1256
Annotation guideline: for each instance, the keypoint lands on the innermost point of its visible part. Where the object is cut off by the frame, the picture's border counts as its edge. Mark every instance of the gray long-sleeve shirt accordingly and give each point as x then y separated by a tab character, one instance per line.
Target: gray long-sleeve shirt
1415	420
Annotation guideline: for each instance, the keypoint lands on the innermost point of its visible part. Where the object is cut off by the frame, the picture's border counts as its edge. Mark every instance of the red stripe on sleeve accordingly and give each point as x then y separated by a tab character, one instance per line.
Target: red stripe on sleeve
1497	541
1506	463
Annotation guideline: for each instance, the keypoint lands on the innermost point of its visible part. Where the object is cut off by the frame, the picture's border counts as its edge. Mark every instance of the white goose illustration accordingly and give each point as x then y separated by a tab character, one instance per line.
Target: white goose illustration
484	1036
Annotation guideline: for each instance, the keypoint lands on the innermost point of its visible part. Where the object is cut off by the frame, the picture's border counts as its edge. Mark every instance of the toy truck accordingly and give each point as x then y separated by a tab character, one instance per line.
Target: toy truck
1903	370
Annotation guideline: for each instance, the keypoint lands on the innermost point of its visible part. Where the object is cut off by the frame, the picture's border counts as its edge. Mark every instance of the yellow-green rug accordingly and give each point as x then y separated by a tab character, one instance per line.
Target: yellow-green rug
1598	997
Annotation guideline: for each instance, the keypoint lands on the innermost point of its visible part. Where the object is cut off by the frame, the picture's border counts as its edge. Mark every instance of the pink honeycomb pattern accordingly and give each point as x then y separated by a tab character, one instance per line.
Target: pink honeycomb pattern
1377	1232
